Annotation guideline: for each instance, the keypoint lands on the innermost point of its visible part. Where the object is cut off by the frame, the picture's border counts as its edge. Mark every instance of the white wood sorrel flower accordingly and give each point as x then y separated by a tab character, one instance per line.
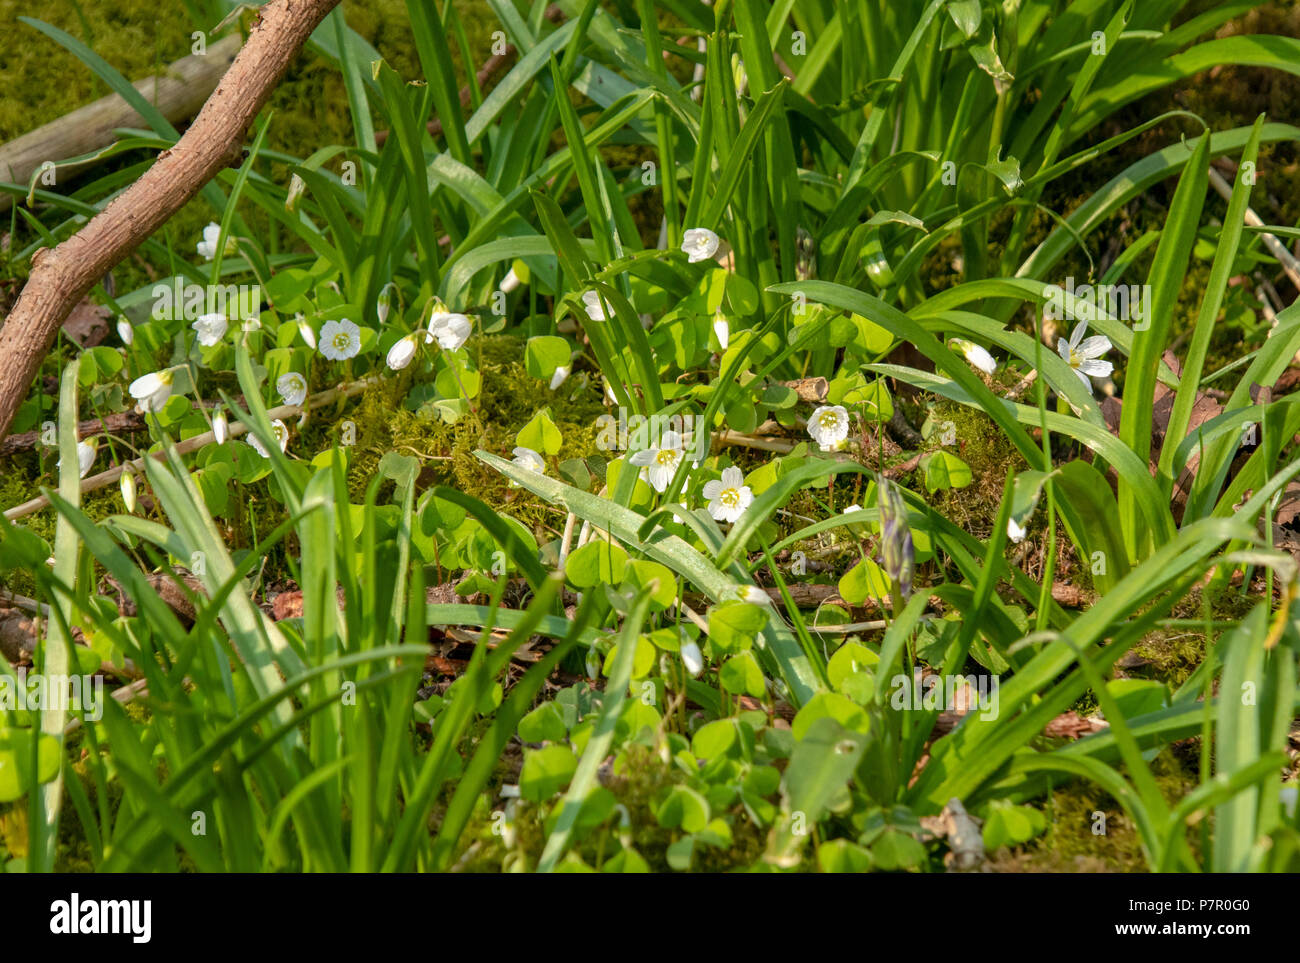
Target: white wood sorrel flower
281	435
560	376
340	340
977	356
595	306
208	246
729	497
220	427
659	464
125	331
1081	354
699	244
401	353
151	391
210	328
292	387
529	459
449	330
829	426
86	451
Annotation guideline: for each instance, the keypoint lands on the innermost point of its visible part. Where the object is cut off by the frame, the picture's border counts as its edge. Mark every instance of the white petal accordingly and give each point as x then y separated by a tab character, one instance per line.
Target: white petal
699	244
660	476
981	359
561	374
146	385
1094	347
723	331
85	457
527	458
692	658
401	353
450	330
595	306
746	498
292	387
1097	369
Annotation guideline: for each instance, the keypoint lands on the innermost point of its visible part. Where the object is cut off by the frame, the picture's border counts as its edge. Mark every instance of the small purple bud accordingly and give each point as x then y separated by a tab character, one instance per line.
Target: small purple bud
897	554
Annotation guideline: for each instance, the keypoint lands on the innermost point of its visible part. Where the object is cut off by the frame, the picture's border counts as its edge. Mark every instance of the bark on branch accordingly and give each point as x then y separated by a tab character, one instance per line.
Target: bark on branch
61	277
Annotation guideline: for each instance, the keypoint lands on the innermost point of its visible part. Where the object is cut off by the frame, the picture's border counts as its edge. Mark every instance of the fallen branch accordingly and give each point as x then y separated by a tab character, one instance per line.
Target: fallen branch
178	92
62	276
115	424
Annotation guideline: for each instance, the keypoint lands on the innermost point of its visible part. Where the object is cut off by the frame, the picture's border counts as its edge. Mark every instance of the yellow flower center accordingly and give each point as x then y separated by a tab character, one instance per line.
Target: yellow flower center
666	456
829	419
341	340
729	497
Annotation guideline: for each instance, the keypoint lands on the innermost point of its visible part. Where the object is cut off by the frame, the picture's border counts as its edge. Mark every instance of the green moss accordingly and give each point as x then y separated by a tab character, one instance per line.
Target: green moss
1071	845
981	444
509	398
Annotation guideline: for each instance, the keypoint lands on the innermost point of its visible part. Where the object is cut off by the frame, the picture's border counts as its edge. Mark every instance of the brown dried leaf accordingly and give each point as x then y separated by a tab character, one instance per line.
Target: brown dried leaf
88	324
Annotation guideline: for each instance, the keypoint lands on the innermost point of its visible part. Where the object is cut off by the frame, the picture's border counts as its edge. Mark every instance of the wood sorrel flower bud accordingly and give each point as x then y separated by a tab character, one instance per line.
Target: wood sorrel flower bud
897	553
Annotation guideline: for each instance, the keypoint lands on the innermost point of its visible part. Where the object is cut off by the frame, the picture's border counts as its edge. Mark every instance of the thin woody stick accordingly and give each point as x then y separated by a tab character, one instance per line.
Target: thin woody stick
236	429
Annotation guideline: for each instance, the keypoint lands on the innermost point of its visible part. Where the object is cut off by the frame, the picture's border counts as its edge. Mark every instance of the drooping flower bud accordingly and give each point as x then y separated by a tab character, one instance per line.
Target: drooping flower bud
385	301
296	186
128	491
897	553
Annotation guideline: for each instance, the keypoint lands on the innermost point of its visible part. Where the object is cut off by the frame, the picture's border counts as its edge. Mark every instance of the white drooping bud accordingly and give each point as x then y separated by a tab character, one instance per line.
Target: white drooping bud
128	491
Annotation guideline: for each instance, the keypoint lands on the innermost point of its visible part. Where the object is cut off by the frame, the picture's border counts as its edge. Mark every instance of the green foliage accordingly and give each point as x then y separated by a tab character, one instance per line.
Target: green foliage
872	232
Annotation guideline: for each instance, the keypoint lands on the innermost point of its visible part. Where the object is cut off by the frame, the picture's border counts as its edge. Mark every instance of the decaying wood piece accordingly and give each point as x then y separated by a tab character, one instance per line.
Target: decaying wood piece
17	636
962	832
809	389
175	598
61	277
178	92
116	423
